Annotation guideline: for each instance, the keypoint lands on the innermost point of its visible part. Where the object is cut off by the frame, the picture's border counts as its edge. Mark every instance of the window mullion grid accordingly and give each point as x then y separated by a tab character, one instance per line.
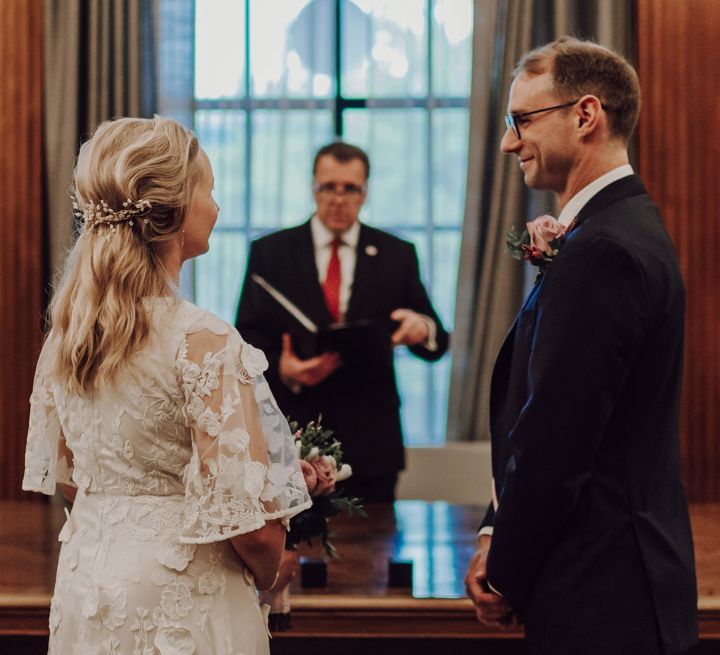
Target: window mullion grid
247	223
430	378
338	107
427	103
190	274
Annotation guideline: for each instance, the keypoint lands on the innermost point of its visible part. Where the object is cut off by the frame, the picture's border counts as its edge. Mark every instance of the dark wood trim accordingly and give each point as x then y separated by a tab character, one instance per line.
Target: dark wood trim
21	227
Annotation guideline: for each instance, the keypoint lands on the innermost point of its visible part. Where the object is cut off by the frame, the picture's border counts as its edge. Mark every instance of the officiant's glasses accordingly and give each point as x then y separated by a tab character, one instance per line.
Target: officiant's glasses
330	189
512	121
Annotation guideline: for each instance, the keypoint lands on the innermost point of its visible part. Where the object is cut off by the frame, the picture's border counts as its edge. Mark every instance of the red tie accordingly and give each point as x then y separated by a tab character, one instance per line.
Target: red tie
331	286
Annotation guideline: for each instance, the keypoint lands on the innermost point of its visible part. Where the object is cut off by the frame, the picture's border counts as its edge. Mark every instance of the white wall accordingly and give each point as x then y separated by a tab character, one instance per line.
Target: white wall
456	472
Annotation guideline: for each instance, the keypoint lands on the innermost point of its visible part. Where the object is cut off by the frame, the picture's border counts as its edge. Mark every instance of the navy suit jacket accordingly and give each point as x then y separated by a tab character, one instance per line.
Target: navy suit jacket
360	403
591	542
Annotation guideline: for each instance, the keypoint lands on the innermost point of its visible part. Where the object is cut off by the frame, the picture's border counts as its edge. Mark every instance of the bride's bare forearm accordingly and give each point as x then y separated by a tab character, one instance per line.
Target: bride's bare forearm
261	551
68	492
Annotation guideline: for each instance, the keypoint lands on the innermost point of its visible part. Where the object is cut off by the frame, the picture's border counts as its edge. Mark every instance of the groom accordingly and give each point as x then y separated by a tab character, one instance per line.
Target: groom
588	540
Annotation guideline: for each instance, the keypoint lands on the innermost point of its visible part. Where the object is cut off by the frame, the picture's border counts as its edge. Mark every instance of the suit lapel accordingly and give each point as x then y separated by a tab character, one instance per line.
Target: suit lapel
365	270
501	369
625	187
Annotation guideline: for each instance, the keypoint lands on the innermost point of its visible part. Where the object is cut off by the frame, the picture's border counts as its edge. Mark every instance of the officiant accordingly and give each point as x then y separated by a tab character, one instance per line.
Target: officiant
335	269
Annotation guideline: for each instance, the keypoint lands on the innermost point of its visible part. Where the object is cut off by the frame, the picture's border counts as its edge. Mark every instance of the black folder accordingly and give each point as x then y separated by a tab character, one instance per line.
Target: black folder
364	341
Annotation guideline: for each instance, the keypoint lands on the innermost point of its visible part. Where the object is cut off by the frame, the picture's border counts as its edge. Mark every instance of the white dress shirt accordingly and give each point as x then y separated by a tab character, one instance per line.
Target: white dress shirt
582	197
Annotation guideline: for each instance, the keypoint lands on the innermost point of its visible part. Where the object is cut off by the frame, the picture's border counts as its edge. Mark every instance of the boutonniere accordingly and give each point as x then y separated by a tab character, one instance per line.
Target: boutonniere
540	243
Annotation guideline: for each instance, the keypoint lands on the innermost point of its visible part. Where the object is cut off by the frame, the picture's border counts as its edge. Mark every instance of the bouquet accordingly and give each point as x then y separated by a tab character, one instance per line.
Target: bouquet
321	461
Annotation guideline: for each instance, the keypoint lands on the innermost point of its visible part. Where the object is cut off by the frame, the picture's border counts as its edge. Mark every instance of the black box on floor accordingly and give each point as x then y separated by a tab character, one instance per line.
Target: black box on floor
400	573
313	572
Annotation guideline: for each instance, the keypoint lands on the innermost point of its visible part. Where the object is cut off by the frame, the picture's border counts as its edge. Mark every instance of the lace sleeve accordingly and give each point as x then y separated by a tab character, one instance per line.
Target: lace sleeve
244	468
48	460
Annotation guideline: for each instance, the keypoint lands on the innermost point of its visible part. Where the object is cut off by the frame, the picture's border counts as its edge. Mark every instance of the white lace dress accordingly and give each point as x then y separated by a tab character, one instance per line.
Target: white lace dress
184	450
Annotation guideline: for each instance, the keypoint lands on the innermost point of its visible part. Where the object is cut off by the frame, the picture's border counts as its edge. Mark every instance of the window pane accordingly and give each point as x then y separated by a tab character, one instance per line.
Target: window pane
441	388
222	135
219	273
434	378
291	48
413	377
219	49
284	143
450	135
384	48
452	47
396	141
175	59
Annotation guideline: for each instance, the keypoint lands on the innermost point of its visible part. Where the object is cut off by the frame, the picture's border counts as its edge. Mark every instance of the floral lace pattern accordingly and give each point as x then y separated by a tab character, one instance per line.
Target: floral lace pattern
184	450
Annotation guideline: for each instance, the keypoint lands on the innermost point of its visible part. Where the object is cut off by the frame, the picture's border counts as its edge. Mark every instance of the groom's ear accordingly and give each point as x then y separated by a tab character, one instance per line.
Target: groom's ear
588	114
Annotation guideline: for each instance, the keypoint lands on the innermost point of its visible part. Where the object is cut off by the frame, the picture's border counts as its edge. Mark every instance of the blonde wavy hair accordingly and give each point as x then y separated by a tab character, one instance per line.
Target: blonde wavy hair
97	317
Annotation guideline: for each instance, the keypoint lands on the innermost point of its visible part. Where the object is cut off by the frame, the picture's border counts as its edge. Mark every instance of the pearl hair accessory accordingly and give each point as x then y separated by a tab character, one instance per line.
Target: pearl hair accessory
102	214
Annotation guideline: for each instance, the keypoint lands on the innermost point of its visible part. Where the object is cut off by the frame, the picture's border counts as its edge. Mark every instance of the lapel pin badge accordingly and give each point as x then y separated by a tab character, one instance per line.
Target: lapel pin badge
371	251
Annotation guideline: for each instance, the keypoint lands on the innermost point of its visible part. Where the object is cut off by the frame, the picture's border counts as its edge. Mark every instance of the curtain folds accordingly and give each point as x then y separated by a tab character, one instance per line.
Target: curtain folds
491	284
99	64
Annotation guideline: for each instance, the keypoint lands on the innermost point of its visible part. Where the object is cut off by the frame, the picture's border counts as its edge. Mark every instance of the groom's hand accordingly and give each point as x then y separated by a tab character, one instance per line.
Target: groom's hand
490	608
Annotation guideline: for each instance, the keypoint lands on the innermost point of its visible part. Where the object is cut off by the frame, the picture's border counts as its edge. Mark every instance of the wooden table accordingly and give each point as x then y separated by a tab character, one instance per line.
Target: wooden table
435	616
357	612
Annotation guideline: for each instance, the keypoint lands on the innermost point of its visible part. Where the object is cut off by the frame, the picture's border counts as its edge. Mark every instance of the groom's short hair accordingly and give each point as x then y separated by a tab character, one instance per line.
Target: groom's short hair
580	68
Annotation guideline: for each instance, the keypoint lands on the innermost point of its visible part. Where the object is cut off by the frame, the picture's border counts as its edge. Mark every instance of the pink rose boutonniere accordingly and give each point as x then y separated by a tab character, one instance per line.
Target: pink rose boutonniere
539	244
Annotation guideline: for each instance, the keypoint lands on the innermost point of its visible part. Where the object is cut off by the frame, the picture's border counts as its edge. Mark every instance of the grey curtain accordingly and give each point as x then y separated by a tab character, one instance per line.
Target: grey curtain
491	284
99	64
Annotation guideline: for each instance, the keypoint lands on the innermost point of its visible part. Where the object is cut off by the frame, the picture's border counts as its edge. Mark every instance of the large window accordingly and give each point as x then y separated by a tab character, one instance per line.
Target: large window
271	81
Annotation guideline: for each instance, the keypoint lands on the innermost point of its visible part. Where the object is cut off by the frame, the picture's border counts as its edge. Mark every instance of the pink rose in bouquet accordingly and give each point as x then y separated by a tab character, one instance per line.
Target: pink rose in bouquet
326	468
310	475
321	473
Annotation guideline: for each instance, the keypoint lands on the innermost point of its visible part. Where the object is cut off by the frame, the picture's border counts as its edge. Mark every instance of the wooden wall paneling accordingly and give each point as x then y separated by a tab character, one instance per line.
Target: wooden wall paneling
21	209
679	150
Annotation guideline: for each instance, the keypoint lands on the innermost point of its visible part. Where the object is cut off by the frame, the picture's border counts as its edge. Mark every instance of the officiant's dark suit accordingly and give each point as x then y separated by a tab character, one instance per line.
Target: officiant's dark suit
359	399
591	543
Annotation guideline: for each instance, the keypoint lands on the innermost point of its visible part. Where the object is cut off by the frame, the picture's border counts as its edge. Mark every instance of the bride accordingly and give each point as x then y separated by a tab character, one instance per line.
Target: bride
155	417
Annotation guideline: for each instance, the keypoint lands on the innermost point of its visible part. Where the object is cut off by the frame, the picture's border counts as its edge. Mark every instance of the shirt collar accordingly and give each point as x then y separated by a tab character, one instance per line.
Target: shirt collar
582	197
322	237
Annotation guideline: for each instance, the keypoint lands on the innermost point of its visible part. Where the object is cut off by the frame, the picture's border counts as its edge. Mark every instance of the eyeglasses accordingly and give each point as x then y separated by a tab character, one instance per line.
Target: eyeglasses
512	121
330	189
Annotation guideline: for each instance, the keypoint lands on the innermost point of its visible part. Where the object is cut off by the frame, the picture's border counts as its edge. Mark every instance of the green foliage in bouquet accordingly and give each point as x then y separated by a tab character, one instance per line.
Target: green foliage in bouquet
321	460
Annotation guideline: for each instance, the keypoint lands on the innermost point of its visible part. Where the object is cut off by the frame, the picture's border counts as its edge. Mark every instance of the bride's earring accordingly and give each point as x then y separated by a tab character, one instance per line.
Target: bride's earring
182	239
